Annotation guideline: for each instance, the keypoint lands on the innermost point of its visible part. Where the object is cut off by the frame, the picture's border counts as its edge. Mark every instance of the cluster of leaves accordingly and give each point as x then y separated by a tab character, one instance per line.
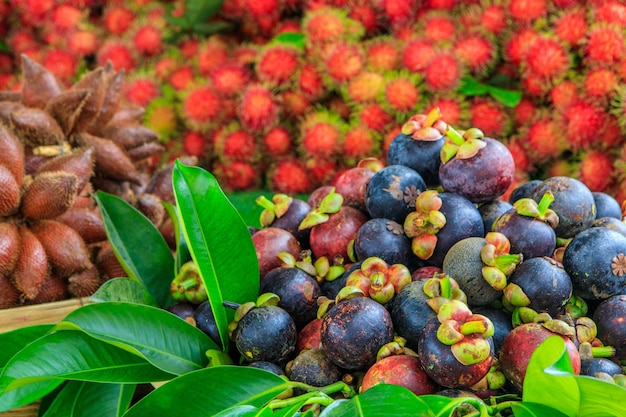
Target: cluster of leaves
92	362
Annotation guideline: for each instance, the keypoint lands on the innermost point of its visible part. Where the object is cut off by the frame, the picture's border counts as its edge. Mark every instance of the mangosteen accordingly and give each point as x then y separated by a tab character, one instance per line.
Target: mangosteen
330	289
392	191
502	324
593	366
410	311
595	260
491	210
610	319
524	190
269	242
314	368
354	330
606	205
309	337
267	366
205	321
286	213
403	370
573	203
351	184
610	222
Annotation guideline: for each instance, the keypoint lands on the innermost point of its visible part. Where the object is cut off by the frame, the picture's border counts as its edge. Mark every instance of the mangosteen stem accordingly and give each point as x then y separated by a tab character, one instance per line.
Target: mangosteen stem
432	117
545	202
455	136
603	351
230	304
187	284
472	327
264	202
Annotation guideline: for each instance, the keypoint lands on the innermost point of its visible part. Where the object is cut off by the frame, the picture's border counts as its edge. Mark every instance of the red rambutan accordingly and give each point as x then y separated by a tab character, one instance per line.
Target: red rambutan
438	27
382	53
162	117
289	176
527	11
359	142
564	94
182	77
596	171
611	135
237	175
258	109
443	72
309	82
547	59
294	104
230	78
584	121
600	84
367	15
605	45
571	26
141	90
276	64
442	4
321	134
516	46
321	170
277	142
520	155
477	52
524	111
83	42
233	143
342	61
364	87
453	109
164	67
493	18
373	116
490	116
542	139
21	40
117	19
62	63
323	25
389	136
418	54
211	53
201	107
148	40
402	94
611	12
118	53
194	144
66	17
400	12
336	104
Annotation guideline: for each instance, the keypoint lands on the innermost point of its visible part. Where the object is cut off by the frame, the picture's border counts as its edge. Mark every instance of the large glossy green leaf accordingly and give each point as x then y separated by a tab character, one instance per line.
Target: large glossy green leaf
138	245
528	409
212	390
382	400
46	362
550	366
14	340
91	399
218	240
160	337
600	398
182	254
123	289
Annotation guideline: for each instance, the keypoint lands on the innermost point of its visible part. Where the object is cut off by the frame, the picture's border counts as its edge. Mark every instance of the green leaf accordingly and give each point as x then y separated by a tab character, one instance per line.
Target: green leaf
550	366
244	202
508	98
222	387
123	289
15	340
291	38
210	28
182	251
528	409
163	339
138	245
201	10
45	363
90	399
240	411
600	398
381	400
219	242
471	87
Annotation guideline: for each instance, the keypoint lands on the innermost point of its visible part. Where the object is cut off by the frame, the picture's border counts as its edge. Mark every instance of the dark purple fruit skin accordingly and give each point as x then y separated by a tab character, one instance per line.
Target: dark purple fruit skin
354	330
442	366
330	289
292	218
491	210
610	317
392	191
591	367
182	309
385	239
420	155
606	205
205	321
595	260
464	264
501	322
529	236
573	203
546	284
482	177
410	312
318	194
314	368
269	242
463	220
524	190
268	366
611	223
332	237
351	184
266	333
298	292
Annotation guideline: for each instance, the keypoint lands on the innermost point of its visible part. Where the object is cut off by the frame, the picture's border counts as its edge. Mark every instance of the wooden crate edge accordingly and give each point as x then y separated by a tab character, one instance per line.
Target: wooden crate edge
47	313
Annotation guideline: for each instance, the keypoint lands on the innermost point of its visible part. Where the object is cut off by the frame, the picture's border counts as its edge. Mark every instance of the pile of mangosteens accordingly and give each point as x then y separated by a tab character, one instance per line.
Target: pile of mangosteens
428	272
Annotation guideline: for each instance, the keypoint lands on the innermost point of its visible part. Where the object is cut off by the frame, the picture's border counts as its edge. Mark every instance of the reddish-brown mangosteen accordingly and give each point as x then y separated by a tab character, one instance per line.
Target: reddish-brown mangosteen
403	370
271	241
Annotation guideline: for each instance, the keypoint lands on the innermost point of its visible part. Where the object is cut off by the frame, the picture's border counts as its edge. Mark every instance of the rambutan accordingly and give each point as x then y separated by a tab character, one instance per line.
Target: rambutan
516	45
359	142
367	15
402	94
477	52
342	61
542	139
289	176
141	90
336	104
117	19
527	11
211	53
547	59
382	53
294	104
453	109
162	117
490	116
388	137
321	170
605	45
564	94
182	77
364	87
442	4
417	54
62	63
583	121
493	18
194	144
324	25
66	17
118	53
237	175
200	107
373	116
83	42
148	39
443	72
233	143
611	136
230	78
570	26
277	142
258	108
600	84
520	155
165	66
309	82
561	168
596	171
276	63
321	134
523	111
400	13
21	40
610	12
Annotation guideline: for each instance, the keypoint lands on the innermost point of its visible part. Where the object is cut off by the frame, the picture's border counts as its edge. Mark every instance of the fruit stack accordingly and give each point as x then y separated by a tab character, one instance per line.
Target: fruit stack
417	272
298	90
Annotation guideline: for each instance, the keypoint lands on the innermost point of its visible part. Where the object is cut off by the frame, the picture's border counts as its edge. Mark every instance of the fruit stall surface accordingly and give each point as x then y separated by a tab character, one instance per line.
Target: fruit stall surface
312	207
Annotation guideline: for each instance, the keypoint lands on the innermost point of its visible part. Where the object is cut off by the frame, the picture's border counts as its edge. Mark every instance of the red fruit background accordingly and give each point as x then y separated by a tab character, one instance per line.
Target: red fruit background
286	94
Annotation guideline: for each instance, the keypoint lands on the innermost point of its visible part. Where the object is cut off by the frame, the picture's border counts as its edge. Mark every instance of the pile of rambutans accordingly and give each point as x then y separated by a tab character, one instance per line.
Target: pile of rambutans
293	92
